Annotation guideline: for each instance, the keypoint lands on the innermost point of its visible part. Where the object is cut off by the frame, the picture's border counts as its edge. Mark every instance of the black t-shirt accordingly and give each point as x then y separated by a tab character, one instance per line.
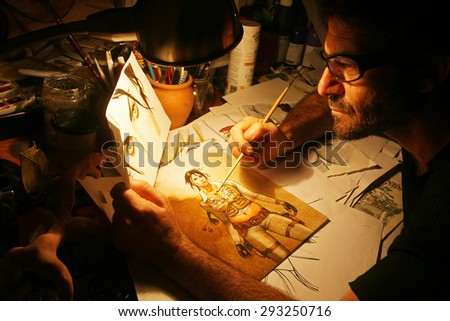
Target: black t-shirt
417	266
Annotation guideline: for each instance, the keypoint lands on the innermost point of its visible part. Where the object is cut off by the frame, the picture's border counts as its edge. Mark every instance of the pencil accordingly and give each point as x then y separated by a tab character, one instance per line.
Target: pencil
150	70
176	76
110	64
169	75
100	71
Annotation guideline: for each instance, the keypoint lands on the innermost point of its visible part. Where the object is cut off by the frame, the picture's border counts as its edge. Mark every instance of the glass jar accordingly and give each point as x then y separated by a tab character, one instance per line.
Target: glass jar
62	91
75	134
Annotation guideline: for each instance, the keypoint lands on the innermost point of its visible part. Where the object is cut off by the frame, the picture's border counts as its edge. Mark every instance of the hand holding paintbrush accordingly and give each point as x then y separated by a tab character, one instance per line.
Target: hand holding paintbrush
269	114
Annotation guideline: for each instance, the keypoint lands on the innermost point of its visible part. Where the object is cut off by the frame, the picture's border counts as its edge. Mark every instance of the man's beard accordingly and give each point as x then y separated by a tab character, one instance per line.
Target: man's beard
374	116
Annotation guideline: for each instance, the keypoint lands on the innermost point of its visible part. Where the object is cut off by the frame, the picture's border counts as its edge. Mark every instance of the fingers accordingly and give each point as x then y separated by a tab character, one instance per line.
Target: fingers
150	193
88	166
248	129
143	217
243	135
239	137
255	140
125	201
141	198
91	165
42	259
142	189
58	273
118	190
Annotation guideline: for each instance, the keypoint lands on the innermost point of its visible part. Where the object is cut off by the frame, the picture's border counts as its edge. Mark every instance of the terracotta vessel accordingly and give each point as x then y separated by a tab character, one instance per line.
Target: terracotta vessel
177	100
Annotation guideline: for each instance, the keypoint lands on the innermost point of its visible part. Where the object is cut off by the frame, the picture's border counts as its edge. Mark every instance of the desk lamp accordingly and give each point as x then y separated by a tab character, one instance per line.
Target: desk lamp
168	32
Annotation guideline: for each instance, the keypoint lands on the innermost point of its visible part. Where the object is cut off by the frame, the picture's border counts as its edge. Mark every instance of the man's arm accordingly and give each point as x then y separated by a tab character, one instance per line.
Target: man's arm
208	278
264	143
145	226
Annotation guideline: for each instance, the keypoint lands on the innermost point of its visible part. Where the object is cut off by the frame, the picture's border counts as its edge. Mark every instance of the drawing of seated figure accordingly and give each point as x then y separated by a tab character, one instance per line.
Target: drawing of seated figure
239	207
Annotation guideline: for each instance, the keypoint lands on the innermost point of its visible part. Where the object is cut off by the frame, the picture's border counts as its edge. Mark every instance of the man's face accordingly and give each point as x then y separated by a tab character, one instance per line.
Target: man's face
378	102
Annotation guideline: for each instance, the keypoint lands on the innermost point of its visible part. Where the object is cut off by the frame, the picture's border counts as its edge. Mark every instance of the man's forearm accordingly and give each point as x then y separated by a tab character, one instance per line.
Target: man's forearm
219	281
308	120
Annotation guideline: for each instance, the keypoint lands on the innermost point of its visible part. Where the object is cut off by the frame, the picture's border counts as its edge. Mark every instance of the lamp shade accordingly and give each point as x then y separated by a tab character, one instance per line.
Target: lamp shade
169	32
186	32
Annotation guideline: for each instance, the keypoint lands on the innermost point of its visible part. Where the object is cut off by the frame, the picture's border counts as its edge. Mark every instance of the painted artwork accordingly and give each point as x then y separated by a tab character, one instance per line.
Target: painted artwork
247	221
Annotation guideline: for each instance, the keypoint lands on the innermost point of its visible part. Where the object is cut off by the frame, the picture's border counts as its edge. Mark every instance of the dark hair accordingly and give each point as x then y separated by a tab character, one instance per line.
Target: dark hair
189	173
403	26
416	34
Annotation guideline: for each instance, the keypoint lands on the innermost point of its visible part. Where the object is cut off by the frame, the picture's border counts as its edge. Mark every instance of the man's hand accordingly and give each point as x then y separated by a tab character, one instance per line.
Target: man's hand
261	143
144	224
39	257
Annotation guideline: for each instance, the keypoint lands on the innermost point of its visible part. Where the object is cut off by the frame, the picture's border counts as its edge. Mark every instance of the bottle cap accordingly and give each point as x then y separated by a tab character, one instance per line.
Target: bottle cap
286	3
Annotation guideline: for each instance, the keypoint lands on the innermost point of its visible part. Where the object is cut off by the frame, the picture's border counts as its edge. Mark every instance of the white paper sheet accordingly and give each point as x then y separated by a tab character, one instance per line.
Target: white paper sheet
345	248
133	111
265	93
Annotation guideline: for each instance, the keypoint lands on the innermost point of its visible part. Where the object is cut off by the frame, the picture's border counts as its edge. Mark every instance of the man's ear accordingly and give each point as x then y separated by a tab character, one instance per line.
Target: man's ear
435	76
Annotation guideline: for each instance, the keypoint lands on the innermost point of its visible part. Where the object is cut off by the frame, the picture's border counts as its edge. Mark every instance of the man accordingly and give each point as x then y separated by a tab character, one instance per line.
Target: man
388	66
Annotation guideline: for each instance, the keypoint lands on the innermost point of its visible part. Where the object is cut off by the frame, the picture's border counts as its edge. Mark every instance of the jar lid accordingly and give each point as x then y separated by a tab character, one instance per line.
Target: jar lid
75	121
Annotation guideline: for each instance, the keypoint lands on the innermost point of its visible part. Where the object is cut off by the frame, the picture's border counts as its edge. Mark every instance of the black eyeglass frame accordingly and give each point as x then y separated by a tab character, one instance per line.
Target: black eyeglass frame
363	62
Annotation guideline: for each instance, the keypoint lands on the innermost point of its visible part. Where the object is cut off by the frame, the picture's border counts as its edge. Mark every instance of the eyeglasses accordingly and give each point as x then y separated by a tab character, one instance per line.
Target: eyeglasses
348	68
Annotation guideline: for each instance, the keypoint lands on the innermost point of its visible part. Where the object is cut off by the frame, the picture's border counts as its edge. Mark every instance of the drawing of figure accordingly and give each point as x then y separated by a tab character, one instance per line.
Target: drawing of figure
247	217
212	203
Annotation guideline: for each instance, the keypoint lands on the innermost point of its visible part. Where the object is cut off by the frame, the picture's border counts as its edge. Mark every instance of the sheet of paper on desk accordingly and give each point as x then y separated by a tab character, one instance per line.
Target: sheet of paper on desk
344	249
140	128
383	151
266	93
351	166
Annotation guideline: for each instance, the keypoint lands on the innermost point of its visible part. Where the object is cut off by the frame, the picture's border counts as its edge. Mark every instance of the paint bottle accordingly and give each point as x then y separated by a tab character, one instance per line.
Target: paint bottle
283	22
243	58
296	45
311	57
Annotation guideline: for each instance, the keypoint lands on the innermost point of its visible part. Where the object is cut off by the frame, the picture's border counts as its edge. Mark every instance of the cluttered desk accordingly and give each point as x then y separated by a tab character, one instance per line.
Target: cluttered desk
333	186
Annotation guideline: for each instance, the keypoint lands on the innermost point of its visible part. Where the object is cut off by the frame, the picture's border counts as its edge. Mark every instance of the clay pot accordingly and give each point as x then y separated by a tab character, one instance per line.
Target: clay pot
177	100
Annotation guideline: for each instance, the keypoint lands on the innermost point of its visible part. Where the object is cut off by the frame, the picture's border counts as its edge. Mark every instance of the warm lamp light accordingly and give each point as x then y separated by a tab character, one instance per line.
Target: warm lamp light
169	32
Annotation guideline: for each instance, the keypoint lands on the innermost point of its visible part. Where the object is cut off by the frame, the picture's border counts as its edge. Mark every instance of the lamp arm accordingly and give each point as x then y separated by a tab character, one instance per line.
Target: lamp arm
45	34
169	32
111	24
115	25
